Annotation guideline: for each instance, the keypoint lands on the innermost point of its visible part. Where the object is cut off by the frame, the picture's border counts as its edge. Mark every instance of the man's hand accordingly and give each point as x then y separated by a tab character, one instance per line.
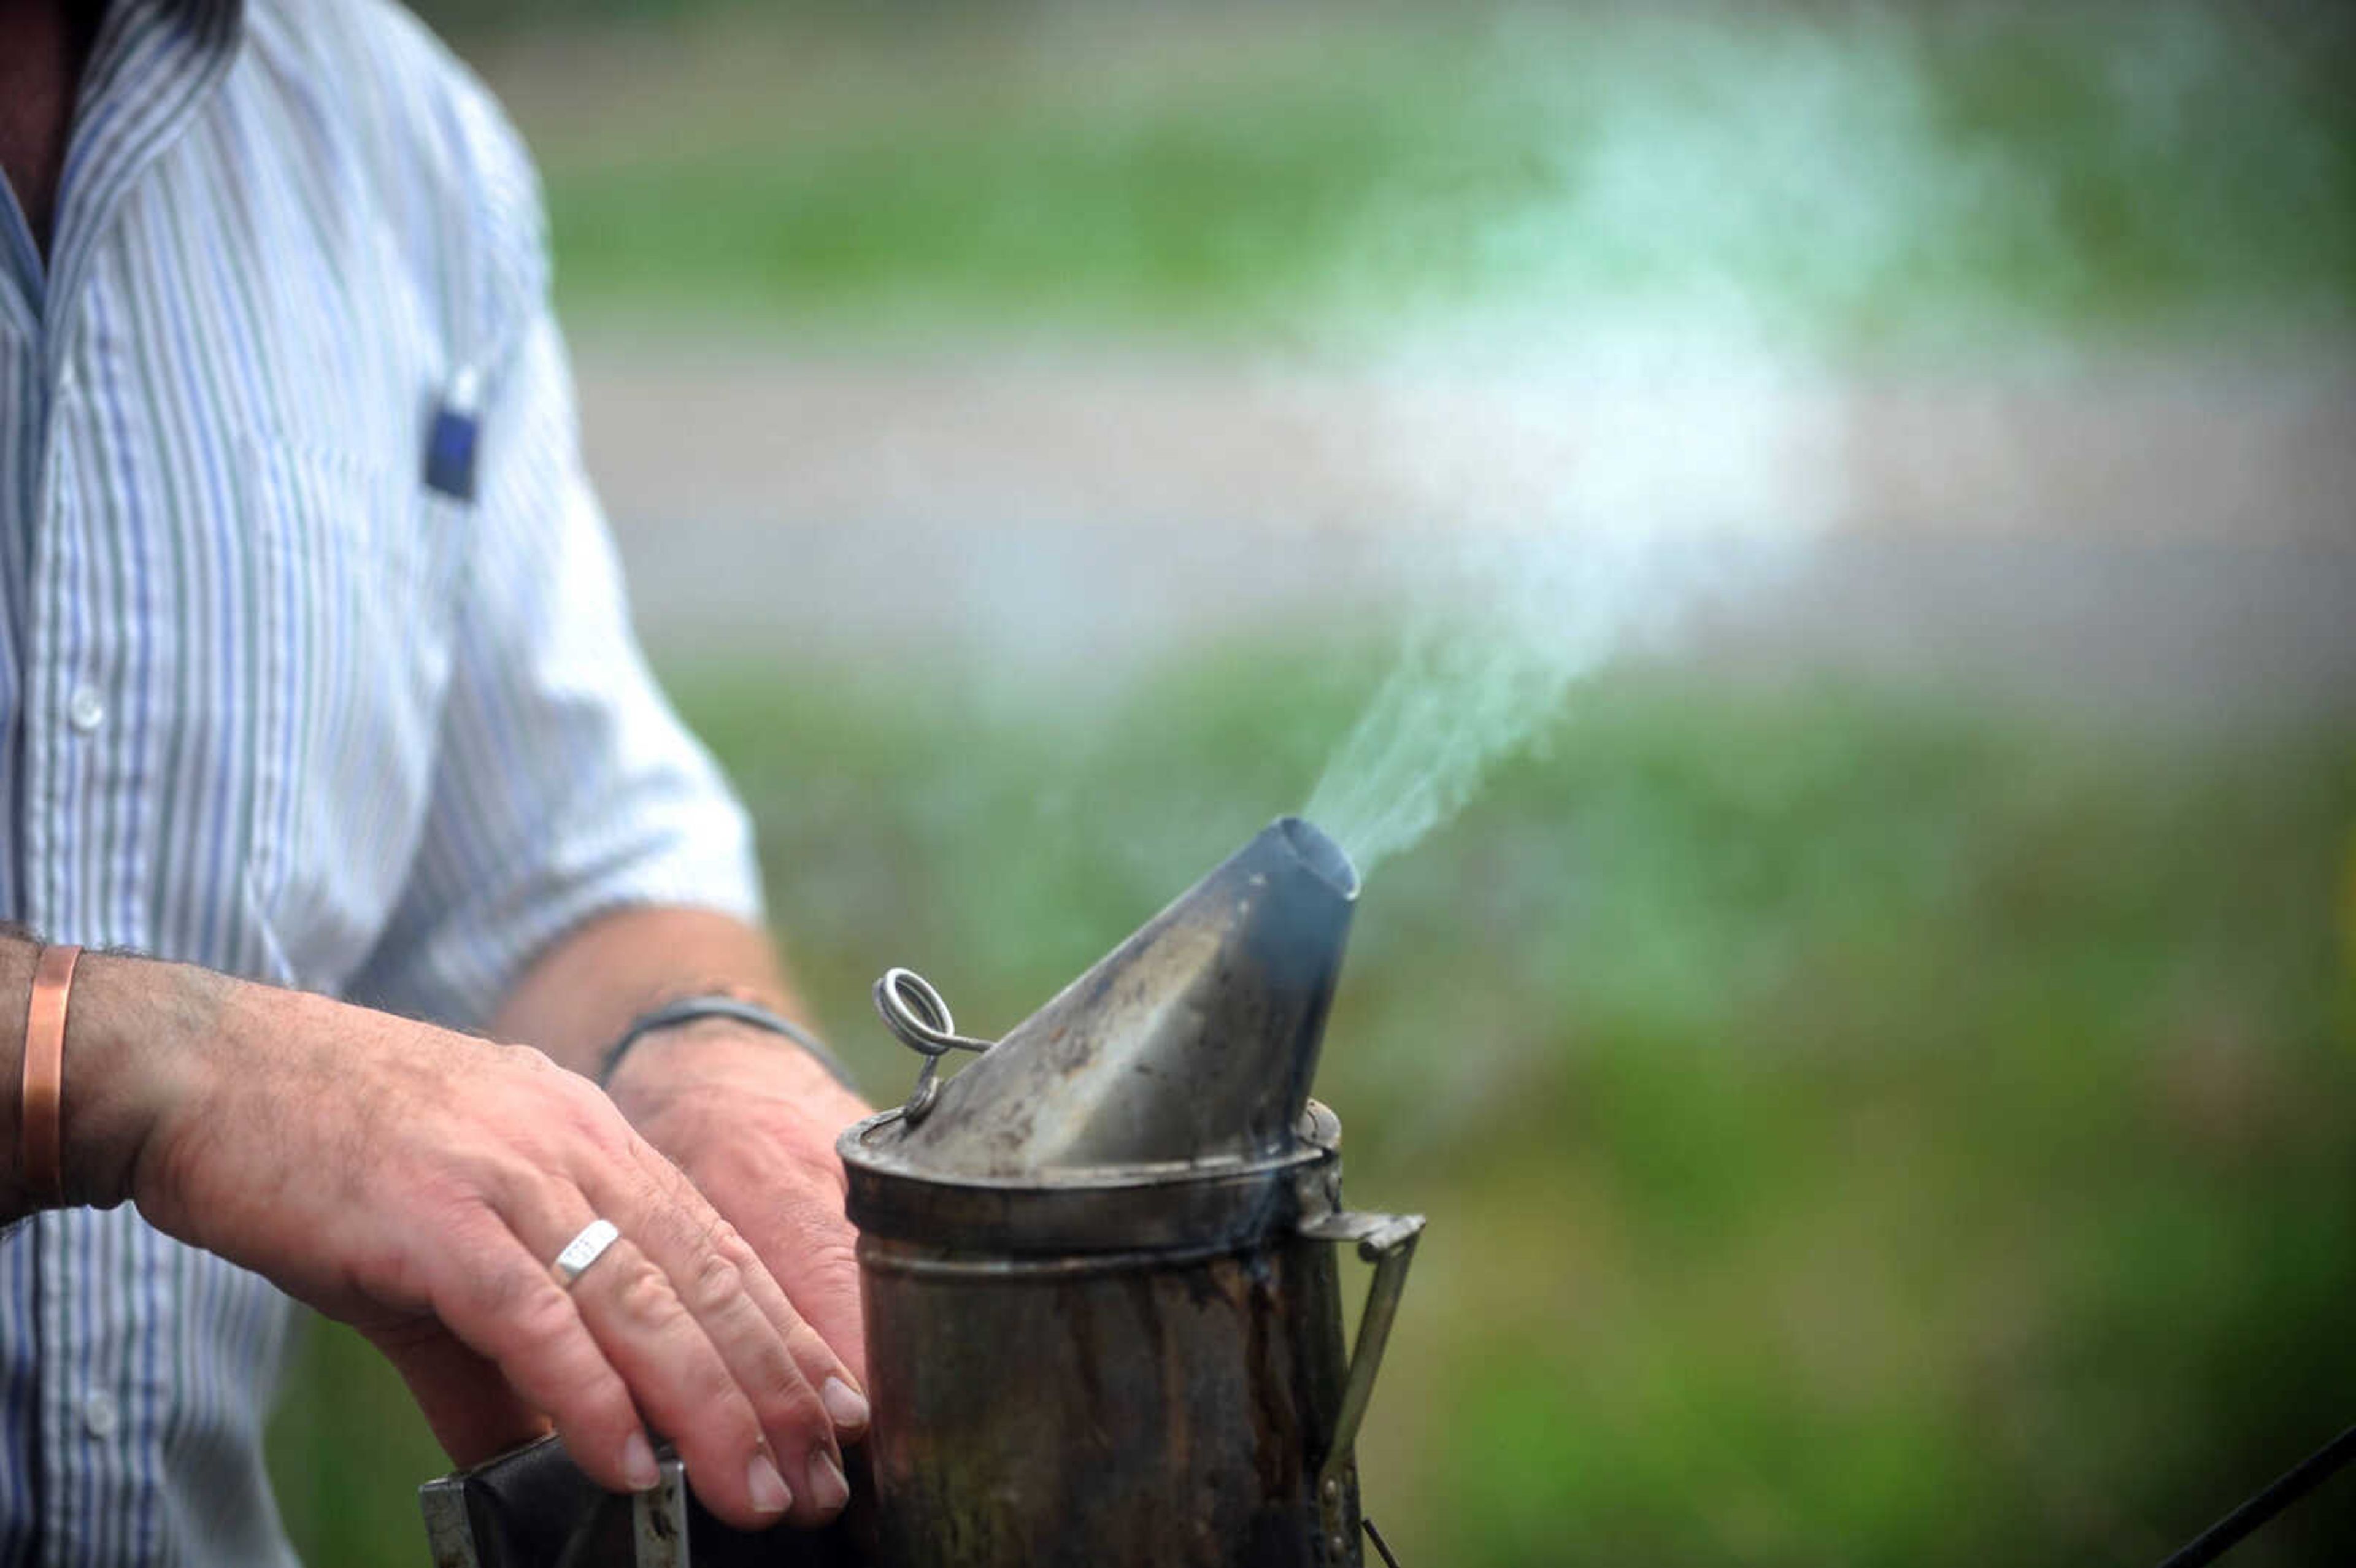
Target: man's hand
749	1116
753	1118
418	1184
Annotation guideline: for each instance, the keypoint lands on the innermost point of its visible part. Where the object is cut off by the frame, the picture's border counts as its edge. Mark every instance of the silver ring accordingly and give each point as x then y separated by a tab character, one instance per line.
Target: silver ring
583	1250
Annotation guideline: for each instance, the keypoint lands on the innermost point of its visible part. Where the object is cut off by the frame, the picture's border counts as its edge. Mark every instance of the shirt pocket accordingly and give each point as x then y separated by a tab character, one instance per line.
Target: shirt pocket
354	622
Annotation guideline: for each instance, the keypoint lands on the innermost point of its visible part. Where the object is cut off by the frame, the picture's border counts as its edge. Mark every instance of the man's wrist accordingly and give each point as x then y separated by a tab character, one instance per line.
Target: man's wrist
685	1012
715	1054
132	1031
137	1038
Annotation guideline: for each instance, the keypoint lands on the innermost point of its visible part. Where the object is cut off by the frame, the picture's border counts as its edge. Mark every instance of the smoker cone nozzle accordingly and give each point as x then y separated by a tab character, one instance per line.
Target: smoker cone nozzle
1194	1040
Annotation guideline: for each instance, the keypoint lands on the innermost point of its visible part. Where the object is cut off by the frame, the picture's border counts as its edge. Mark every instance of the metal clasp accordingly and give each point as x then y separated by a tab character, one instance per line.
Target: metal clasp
1388	1241
913	1011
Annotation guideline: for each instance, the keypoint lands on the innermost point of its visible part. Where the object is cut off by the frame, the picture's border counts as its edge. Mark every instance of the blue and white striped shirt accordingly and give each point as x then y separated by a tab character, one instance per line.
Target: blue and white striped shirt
273	705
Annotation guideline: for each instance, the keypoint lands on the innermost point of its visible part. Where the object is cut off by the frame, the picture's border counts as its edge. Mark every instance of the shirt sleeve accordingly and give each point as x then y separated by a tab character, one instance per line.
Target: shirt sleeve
564	785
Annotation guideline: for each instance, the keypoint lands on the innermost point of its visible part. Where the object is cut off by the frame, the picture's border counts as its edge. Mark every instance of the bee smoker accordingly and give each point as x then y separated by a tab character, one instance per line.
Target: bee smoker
1104	1319
1104	1316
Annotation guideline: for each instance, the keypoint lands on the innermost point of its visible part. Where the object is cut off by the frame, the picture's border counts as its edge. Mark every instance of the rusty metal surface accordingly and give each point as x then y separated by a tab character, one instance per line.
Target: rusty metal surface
1178	1204
1098	1331
1121	1409
1193	1040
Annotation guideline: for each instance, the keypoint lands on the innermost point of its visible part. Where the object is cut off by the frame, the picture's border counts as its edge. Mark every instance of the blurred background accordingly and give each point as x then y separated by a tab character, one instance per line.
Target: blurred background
1856	505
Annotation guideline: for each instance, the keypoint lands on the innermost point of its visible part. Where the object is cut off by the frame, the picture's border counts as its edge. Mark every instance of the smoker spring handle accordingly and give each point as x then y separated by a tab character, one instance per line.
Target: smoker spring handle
1388	1241
914	1011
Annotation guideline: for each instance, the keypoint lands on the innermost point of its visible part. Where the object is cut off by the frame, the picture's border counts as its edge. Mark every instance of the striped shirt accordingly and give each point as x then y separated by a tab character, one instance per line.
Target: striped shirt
274	704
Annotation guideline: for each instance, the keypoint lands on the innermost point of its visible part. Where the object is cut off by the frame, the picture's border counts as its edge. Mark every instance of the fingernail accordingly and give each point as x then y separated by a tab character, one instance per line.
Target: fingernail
639	1463
769	1492
846	1404
829	1491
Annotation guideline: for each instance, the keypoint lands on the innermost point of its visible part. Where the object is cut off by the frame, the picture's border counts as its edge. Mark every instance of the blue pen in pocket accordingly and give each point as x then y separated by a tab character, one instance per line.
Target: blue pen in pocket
457	428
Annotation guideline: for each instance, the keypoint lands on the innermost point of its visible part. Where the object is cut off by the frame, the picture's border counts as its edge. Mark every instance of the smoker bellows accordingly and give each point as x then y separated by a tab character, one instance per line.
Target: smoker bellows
1104	1318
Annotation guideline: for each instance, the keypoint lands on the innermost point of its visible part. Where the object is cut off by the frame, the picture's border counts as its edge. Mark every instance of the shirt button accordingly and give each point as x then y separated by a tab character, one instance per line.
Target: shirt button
99	1416
86	710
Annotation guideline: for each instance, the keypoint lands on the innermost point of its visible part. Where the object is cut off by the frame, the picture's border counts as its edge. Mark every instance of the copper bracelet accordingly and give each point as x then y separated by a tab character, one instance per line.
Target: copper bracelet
45	1072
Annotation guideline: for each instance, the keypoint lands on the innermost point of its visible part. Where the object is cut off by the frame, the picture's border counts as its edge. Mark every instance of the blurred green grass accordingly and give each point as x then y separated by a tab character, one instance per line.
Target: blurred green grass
1856	1128
1207	169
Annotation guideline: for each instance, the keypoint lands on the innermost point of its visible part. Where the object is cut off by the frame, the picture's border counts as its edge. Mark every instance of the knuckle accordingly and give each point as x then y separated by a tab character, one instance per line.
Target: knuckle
715	1285
786	1401
782	1382
664	1183
815	1359
664	1176
528	1062
555	1088
644	1298
454	1210
689	1226
589	1114
728	1243
500	1177
589	1100
510	1313
494	1294
541	1316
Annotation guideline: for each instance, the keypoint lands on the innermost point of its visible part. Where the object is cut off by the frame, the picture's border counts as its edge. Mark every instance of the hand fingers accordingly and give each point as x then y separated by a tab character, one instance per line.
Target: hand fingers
824	1288
494	1294
791	1210
634	1310
779	1360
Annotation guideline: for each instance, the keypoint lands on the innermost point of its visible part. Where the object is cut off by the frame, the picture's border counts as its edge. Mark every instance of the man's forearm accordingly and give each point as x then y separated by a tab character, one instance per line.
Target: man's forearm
579	996
415	1183
133	1024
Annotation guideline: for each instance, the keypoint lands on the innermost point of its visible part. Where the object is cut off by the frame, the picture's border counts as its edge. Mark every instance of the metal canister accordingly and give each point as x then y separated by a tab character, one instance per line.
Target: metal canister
1104	1318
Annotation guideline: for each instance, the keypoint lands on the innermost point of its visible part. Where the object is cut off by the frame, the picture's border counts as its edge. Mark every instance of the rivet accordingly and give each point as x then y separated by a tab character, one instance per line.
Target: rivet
1332	1490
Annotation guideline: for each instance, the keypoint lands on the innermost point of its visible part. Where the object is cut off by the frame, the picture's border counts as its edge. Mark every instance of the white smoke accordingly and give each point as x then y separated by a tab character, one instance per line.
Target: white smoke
1611	498
1629	406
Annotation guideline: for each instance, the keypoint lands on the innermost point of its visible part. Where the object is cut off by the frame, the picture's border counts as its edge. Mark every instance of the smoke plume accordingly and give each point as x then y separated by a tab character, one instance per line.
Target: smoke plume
1646	479
1624	405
